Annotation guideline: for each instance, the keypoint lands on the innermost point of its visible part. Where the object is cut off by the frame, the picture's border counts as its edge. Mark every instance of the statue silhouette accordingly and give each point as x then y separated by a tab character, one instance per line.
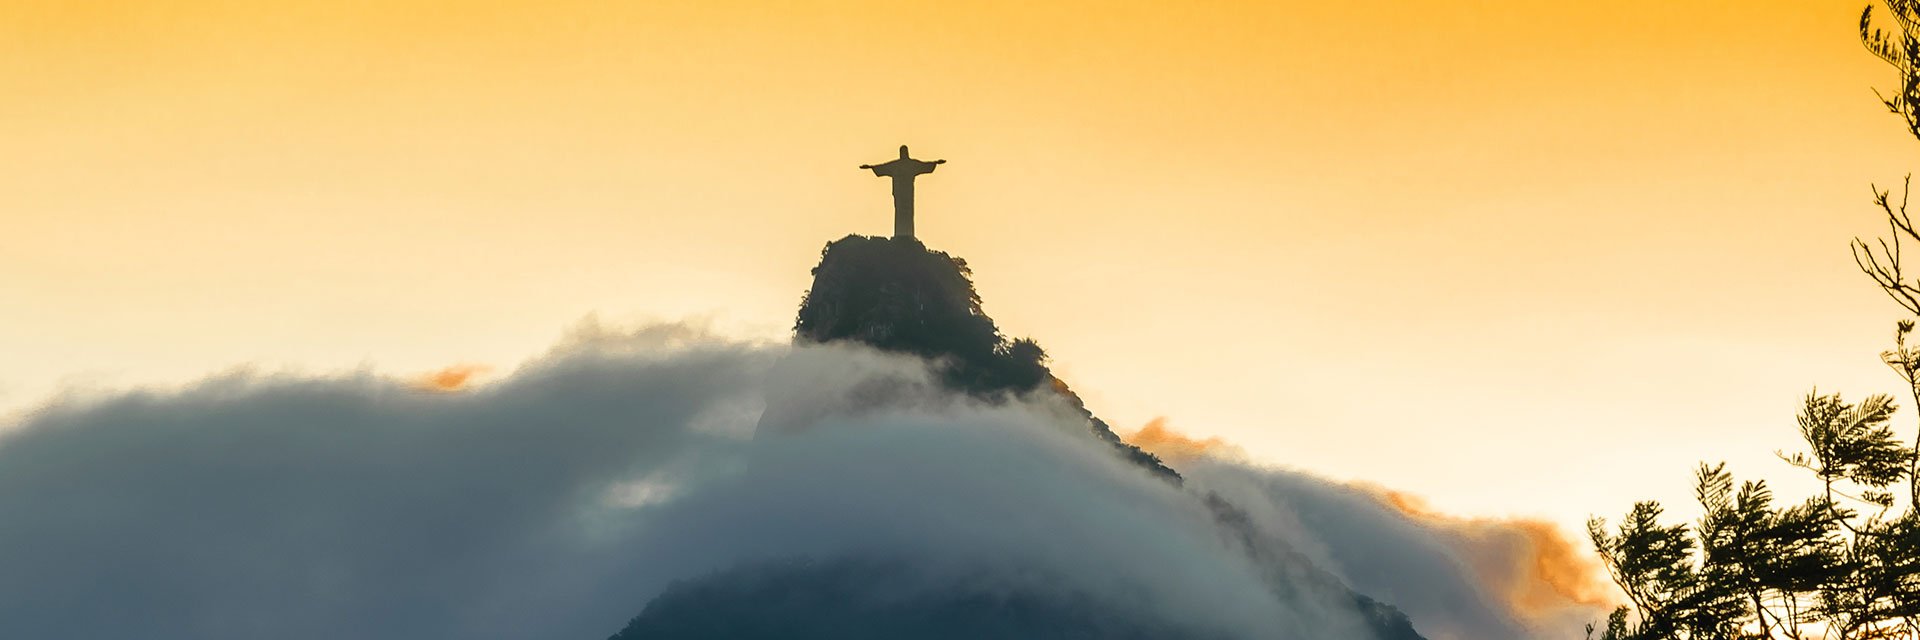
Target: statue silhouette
902	170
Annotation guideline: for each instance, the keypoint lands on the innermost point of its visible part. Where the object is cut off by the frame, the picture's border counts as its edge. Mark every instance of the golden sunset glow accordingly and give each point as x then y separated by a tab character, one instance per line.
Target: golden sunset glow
1176	447
453	378
1553	572
1471	250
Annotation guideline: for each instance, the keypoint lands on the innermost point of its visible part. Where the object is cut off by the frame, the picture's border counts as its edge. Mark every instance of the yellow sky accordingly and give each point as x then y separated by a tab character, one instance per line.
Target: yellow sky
1479	251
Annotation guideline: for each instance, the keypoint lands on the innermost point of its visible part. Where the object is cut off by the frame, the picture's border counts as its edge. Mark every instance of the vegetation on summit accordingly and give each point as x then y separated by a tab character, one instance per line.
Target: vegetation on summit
895	294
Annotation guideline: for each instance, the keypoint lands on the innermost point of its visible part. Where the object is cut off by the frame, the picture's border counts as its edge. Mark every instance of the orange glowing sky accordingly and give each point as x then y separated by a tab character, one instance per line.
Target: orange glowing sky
1478	251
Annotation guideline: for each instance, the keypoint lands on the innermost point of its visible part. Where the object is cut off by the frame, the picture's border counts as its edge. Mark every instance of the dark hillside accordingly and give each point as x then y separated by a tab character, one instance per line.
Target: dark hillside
895	294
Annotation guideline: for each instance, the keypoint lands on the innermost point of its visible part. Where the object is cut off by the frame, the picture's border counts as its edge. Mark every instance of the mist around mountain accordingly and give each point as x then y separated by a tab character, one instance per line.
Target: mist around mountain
898	296
660	481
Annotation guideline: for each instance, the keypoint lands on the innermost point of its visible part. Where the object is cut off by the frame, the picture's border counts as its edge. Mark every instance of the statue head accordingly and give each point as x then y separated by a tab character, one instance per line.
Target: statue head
903	152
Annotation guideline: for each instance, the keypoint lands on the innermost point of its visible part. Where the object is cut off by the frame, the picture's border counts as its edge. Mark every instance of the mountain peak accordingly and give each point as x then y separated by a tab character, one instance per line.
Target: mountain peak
895	294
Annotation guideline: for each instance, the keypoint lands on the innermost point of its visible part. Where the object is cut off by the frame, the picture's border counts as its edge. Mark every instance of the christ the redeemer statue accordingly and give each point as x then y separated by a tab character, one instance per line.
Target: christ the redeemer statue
902	170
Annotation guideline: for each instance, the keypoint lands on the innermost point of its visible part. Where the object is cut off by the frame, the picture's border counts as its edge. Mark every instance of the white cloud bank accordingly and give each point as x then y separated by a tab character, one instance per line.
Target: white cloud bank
556	502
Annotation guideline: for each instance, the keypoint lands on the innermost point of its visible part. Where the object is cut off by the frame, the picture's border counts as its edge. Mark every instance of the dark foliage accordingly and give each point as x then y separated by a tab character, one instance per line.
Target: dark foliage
895	294
1749	569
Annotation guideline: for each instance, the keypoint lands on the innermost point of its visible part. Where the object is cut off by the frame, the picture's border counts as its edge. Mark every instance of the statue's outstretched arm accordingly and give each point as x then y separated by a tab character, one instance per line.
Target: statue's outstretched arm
939	162
866	166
